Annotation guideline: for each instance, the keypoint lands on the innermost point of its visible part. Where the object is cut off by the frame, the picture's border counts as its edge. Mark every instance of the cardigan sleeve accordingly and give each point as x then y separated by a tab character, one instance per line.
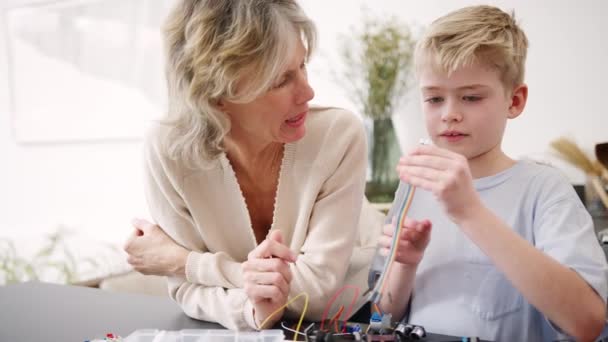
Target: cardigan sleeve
326	252
211	290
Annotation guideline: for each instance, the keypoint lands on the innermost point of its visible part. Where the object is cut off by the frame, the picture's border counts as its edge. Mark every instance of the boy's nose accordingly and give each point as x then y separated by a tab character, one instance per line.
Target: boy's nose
451	113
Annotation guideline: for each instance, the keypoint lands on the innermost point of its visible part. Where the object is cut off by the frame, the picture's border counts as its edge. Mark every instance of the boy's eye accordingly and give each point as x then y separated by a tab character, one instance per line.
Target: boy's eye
471	98
434	99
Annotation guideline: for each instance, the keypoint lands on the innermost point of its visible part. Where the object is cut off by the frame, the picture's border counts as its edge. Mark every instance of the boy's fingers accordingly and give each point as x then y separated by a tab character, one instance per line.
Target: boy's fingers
431	150
415	235
410	235
408	223
422	172
385	241
418	239
424	162
424	226
388	230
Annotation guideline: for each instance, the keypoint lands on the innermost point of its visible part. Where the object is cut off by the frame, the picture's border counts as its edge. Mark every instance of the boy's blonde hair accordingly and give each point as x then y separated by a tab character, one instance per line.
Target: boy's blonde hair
476	34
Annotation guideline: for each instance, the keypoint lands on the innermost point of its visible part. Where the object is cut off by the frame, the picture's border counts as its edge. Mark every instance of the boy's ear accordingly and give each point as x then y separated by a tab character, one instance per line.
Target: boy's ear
519	97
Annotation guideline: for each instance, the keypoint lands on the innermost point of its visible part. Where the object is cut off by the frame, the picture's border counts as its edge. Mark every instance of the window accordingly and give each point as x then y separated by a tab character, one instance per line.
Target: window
85	70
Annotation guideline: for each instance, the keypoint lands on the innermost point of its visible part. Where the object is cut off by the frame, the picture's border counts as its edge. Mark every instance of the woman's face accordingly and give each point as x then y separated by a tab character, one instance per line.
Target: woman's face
278	115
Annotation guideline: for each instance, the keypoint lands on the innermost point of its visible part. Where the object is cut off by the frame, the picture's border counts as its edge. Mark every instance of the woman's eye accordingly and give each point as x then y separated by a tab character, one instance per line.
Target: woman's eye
281	84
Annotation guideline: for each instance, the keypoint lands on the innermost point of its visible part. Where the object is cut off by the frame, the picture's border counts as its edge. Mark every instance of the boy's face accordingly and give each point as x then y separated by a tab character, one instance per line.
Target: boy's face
467	112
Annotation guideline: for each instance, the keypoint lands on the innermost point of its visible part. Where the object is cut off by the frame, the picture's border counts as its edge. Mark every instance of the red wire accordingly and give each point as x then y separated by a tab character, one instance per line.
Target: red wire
336	317
333	299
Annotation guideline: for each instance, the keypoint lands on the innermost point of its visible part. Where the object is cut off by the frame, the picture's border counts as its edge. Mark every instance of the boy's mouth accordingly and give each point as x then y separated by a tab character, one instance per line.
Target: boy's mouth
453	136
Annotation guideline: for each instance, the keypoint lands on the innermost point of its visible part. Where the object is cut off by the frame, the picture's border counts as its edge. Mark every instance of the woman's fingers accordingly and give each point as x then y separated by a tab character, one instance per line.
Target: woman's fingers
271	248
266	272
267	278
258	293
143	225
128	246
268	265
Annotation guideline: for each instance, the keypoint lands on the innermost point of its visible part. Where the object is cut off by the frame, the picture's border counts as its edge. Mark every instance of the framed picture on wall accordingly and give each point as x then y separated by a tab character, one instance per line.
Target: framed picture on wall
84	70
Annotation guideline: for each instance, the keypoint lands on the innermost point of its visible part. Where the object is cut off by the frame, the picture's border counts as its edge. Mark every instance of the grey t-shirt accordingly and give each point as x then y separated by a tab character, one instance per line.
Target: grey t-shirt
458	291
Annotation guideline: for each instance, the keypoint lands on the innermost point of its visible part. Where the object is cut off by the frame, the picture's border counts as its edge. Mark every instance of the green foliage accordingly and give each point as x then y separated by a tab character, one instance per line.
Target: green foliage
378	64
377	73
53	261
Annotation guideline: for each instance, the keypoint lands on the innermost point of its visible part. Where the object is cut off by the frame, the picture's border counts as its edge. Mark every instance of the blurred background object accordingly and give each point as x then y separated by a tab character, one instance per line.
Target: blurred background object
596	198
81	79
377	73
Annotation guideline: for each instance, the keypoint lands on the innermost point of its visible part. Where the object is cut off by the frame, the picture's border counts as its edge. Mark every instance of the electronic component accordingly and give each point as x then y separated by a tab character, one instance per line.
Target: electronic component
417	332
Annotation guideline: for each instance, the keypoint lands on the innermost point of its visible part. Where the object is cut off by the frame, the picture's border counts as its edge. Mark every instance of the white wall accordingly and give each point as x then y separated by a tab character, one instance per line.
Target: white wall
566	70
94	188
97	187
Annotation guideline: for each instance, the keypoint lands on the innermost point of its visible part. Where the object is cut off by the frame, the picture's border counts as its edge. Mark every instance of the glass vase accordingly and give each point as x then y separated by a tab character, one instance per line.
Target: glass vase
384	153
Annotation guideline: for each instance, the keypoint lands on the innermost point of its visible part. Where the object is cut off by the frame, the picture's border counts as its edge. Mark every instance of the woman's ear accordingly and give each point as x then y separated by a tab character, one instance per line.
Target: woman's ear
519	97
219	104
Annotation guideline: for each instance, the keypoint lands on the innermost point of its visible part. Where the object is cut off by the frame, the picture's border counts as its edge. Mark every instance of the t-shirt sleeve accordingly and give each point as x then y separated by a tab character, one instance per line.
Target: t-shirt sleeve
563	229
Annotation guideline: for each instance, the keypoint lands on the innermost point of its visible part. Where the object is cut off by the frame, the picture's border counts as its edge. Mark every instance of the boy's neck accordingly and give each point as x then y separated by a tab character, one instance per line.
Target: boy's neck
489	164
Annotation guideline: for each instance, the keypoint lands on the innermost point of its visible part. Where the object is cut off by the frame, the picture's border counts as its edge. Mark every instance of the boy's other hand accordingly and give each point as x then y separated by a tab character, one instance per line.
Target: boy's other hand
444	173
414	237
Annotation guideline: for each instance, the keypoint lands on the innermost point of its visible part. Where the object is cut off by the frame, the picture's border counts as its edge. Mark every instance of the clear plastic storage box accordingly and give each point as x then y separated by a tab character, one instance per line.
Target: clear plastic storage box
195	335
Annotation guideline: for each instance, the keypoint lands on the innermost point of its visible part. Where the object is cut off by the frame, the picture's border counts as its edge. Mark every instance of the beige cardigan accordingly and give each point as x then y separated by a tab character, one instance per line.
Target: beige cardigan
317	208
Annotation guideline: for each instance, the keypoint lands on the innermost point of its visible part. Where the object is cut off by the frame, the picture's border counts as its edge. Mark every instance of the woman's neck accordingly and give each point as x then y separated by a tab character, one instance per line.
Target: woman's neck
253	158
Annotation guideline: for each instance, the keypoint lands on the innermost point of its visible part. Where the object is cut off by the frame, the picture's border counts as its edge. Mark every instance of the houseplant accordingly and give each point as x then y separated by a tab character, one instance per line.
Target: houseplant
55	259
376	74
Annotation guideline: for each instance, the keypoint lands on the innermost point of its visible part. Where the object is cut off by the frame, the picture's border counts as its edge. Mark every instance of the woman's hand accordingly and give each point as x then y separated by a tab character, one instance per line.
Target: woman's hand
152	251
267	276
415	236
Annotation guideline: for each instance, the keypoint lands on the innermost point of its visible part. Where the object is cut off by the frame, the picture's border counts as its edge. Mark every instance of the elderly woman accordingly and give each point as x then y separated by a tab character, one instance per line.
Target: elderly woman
256	196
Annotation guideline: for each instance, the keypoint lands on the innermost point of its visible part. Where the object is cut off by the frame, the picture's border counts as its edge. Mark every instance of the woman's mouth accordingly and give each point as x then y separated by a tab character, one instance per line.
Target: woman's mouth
297	120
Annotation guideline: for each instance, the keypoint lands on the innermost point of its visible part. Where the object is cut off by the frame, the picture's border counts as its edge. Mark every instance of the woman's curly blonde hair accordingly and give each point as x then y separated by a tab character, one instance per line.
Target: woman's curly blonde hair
211	47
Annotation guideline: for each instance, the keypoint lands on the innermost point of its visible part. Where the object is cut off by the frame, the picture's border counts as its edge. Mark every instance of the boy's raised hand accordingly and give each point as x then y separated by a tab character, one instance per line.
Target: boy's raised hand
415	236
444	173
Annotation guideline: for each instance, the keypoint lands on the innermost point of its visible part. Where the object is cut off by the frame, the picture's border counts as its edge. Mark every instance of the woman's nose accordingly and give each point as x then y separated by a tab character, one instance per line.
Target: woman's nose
305	92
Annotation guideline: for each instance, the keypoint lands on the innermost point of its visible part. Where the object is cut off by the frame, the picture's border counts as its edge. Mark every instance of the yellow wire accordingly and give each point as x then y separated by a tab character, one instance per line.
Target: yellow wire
295	336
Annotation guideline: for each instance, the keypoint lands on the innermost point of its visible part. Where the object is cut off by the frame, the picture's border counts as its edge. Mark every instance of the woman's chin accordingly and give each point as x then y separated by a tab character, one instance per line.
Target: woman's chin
293	135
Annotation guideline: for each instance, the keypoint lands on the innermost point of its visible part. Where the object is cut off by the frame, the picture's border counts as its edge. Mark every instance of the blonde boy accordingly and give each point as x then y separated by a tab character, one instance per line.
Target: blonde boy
512	255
